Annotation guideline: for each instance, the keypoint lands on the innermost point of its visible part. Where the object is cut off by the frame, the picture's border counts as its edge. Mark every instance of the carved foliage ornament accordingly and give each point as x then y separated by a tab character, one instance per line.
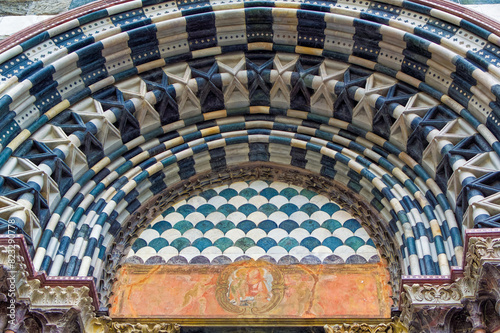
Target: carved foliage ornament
393	327
434	294
144	328
480	250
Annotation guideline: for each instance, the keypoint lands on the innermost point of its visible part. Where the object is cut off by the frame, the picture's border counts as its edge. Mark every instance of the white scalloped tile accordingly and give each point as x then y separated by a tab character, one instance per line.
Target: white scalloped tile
361	233
344	252
215	217
278	186
237	201
321	233
171	234
342	234
321	252
299	200
256	234
299	252
258	200
255	252
221	188
278	201
277	234
259	185
168	251
257	217
175	217
197	201
217	201
235	234
189	252
211	250
367	251
277	252
321	216
319	200
145	252
299	234
149	234
239	186
192	234
236	217
341	216
278	217
299	217
233	251
213	234
195	217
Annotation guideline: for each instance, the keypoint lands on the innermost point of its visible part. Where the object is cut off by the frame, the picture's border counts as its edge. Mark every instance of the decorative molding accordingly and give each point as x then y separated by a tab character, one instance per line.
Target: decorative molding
428	294
396	326
105	324
143	328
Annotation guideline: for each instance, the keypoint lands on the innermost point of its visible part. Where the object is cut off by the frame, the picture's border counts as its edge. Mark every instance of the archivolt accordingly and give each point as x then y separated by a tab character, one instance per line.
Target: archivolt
106	111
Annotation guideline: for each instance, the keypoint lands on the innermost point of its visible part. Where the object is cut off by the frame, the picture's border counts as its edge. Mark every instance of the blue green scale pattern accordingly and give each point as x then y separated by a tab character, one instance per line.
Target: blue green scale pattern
258	220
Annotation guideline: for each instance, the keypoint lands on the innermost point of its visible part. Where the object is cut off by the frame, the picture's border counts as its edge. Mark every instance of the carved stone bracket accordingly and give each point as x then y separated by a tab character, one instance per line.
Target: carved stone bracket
392	327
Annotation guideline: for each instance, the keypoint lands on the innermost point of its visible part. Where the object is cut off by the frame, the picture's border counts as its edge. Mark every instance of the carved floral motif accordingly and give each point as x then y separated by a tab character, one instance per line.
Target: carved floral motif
393	327
143	328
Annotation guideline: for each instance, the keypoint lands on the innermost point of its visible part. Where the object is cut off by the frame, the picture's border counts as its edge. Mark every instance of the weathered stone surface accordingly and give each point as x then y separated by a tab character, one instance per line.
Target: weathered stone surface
47	7
12	24
26	7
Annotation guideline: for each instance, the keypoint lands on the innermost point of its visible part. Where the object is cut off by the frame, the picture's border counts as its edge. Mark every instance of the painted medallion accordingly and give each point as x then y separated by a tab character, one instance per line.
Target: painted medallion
250	287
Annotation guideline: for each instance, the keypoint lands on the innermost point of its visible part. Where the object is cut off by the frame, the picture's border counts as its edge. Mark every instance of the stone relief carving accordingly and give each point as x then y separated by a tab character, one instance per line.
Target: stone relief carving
36	307
432	305
143	328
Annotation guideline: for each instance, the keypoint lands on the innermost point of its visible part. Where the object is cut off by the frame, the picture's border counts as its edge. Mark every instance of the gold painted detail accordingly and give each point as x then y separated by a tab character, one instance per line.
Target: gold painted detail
105	324
144	328
250	286
395	326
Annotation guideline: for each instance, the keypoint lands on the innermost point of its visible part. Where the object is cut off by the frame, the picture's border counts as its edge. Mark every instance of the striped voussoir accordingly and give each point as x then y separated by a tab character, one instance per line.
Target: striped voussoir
397	101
